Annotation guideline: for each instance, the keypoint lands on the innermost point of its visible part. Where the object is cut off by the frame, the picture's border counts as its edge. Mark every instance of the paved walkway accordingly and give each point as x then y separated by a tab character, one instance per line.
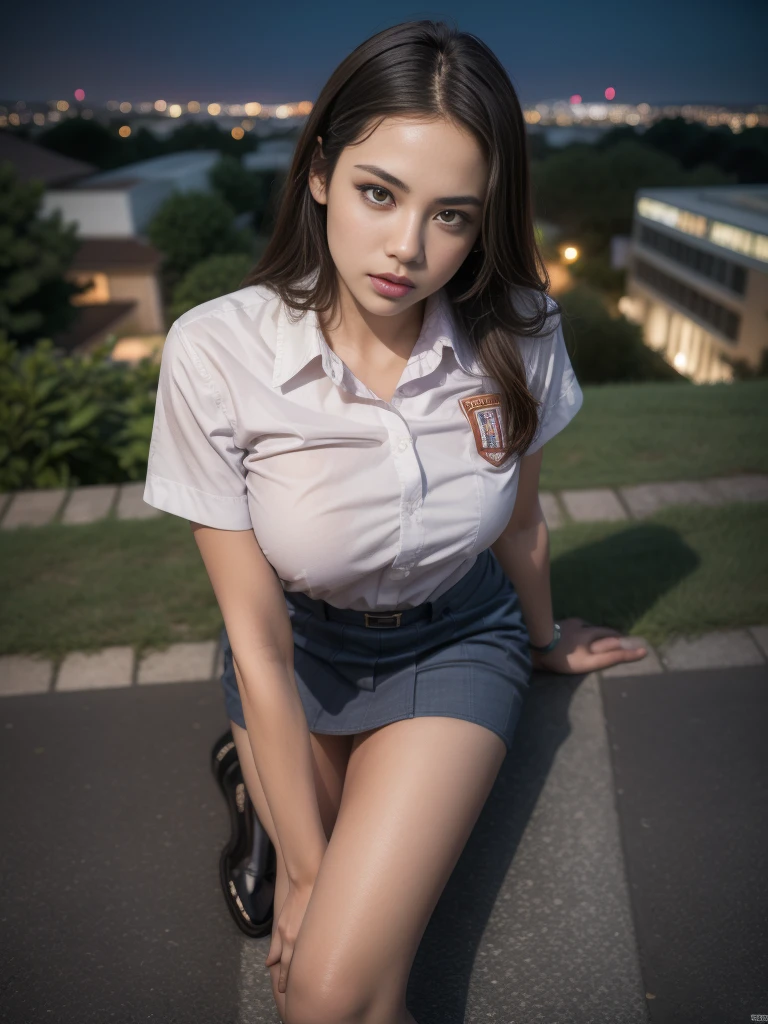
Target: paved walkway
114	668
112	911
113	825
600	504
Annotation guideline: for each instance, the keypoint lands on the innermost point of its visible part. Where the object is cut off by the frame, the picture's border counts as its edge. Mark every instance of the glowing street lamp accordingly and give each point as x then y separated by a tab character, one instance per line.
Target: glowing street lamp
570	253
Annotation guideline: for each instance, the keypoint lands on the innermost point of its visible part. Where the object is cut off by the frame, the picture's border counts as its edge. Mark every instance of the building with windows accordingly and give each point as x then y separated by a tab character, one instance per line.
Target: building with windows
697	276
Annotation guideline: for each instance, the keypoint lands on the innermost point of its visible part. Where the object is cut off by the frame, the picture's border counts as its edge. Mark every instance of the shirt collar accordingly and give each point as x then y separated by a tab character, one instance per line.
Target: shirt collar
299	342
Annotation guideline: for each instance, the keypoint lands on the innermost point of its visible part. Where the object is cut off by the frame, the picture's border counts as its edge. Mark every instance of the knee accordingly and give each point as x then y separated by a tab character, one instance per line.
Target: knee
312	999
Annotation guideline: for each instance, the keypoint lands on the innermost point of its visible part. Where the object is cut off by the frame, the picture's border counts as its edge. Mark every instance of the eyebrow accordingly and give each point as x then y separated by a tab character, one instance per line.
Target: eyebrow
444	200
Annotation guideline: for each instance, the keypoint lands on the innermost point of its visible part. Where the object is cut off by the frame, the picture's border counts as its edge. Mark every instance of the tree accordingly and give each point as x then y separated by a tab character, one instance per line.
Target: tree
87	140
604	348
245	191
36	252
209	136
590	193
210	278
743	154
189	227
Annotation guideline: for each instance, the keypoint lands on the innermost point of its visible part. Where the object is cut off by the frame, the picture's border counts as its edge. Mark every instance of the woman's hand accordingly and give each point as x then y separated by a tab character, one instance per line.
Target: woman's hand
287	929
585	648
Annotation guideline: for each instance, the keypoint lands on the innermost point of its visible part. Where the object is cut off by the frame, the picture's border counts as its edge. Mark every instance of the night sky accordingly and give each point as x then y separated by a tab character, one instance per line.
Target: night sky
659	51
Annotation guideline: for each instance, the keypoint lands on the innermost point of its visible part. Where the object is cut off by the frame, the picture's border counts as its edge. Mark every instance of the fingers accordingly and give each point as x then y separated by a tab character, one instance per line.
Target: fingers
616	642
606	657
280	951
285	963
275	949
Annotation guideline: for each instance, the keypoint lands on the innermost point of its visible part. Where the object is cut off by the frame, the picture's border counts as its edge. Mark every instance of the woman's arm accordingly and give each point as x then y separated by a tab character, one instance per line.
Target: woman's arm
256	618
524	556
523	552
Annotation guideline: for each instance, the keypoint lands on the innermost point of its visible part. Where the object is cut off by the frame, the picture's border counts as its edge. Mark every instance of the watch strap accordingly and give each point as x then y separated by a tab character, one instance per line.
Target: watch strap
552	643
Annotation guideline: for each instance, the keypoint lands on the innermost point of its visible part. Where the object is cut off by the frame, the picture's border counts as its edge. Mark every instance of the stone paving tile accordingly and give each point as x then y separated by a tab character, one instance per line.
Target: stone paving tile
645	499
100	670
131	504
179	663
33	508
551	508
760	636
746	487
649	665
724	648
24	674
593	504
89	503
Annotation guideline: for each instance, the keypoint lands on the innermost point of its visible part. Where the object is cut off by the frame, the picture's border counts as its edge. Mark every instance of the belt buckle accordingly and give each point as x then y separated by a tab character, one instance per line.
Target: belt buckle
388	622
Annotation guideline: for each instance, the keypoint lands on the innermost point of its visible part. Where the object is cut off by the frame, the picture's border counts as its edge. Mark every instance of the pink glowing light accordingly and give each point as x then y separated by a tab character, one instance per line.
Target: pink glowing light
575	98
79	94
610	93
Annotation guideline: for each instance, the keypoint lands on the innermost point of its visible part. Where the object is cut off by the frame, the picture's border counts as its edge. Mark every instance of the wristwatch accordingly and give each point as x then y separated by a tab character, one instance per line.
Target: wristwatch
552	643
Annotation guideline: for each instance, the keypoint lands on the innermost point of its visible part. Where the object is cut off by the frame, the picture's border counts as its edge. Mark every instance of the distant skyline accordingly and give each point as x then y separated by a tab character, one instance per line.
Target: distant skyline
663	51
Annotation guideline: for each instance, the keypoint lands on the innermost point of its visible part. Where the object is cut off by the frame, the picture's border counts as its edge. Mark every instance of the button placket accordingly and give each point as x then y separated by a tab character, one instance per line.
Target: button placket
408	469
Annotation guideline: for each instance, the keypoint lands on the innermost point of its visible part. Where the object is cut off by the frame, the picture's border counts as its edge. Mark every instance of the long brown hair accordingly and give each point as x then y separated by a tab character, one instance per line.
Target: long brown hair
430	69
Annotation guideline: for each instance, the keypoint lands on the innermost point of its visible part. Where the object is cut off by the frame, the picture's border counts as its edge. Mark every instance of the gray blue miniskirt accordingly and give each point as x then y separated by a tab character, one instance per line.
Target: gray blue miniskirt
464	655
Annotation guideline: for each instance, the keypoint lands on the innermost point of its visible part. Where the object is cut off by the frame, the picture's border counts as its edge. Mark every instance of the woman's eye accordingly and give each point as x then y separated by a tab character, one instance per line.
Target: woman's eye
453	214
380	195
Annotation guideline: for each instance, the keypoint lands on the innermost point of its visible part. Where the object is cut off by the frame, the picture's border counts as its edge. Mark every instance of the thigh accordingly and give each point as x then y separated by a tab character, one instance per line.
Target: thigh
413	792
331	754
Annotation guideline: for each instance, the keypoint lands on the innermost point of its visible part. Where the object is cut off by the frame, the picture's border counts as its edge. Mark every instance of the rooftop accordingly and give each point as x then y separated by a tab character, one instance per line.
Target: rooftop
34	162
744	206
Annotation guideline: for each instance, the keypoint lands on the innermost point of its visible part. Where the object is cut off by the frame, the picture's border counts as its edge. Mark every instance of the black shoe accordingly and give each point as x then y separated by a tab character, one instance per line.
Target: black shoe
247	866
223	754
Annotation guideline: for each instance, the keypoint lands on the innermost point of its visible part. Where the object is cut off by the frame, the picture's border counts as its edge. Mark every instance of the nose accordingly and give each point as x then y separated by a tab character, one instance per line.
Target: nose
406	240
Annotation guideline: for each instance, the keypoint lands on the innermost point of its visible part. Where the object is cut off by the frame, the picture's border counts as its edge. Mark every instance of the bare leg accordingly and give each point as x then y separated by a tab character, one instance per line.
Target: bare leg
412	794
331	754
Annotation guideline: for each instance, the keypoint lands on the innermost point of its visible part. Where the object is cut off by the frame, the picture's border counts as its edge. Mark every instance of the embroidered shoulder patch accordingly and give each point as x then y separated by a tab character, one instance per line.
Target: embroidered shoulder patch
484	415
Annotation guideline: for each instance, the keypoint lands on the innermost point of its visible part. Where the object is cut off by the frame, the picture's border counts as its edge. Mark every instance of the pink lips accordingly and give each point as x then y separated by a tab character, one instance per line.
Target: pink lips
392	289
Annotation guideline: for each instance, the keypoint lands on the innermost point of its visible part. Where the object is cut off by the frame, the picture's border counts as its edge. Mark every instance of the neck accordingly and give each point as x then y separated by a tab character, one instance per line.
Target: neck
357	330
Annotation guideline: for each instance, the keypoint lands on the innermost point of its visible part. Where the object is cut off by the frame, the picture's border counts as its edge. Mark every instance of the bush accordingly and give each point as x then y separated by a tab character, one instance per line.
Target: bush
743	370
209	279
36	253
245	191
71	420
604	348
190	226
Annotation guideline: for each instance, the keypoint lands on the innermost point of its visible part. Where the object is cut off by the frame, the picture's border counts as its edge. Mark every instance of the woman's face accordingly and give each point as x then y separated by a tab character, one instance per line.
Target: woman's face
407	202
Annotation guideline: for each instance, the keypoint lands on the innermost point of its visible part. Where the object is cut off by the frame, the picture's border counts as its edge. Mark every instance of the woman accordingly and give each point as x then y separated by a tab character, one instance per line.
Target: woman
356	437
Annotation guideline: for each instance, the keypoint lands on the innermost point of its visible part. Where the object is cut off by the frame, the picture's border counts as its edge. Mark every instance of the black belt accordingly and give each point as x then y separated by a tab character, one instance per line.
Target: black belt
383	621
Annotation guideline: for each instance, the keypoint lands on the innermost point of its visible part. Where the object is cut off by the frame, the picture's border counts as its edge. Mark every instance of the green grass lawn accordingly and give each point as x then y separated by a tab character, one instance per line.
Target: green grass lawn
686	570
642	433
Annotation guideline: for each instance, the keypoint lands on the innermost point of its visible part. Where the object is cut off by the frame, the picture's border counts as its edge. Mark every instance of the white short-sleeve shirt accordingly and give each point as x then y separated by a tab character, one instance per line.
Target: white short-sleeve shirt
367	504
